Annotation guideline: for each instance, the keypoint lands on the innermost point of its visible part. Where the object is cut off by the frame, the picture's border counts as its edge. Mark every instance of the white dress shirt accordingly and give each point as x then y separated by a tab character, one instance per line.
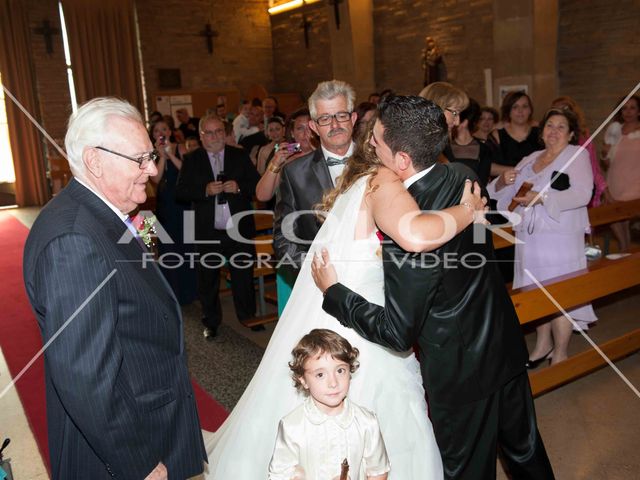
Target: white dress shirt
417	176
336	170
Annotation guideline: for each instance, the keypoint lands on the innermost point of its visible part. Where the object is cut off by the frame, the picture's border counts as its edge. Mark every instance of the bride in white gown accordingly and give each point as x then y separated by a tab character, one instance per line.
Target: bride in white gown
387	382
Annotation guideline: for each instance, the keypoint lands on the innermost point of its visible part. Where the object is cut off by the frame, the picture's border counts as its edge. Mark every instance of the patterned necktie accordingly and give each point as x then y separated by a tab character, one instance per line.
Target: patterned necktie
332	161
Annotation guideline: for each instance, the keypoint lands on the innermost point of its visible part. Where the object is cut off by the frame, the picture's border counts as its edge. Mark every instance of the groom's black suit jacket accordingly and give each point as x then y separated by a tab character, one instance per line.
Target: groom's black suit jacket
119	398
462	318
302	185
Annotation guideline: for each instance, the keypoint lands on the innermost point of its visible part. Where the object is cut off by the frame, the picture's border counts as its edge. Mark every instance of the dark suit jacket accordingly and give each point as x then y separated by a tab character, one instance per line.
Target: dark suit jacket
254	140
462	318
119	398
196	172
302	185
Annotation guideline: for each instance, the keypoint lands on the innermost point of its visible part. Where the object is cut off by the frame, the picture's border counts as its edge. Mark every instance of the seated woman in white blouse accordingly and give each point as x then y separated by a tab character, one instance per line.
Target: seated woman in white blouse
327	434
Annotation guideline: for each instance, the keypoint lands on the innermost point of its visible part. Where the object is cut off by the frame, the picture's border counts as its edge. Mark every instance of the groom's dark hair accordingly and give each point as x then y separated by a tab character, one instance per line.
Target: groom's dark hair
415	126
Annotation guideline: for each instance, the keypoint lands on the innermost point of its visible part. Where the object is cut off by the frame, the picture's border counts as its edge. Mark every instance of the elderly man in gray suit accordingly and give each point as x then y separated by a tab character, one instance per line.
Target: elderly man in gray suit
119	398
305	180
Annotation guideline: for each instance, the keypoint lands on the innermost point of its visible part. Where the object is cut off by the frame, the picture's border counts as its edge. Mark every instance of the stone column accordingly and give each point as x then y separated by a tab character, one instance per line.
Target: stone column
525	39
352	52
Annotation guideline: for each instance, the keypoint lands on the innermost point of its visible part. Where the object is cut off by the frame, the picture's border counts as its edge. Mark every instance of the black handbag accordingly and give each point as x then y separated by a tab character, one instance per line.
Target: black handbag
560	181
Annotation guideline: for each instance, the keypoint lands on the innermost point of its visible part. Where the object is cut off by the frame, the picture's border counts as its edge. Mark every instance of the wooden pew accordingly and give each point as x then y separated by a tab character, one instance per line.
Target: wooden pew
264	268
264	221
598	216
603	277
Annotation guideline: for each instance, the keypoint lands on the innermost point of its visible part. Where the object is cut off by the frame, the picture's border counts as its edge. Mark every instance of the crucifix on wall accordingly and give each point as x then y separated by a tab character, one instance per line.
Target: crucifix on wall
209	35
336	11
306	26
47	31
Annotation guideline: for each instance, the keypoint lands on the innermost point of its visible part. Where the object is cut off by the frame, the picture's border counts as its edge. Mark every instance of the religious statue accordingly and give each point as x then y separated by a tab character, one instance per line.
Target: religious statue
433	62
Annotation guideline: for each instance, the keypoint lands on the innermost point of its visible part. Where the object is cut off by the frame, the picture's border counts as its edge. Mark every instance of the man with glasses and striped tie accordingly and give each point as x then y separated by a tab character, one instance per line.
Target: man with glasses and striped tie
119	398
305	180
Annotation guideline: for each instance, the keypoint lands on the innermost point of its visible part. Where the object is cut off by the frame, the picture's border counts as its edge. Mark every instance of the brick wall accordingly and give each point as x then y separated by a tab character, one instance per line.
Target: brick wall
598	53
50	70
462	28
298	69
242	51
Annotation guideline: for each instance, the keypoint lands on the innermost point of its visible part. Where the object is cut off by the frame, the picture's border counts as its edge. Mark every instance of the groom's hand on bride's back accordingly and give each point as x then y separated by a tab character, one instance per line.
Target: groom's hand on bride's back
322	270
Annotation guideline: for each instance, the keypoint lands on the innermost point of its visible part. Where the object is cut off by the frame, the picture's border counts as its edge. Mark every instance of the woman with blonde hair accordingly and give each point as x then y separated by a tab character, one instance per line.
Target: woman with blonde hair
452	100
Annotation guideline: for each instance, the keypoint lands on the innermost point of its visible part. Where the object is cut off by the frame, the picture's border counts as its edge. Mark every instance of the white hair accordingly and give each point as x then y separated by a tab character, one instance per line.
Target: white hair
88	127
328	91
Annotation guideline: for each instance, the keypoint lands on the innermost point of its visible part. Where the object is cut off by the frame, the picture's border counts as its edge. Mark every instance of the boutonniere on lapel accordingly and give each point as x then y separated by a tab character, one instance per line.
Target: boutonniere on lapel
146	228
380	239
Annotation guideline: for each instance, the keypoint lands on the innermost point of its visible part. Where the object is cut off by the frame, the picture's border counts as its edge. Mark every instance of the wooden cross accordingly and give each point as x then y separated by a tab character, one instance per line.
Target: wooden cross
209	35
336	11
306	26
47	32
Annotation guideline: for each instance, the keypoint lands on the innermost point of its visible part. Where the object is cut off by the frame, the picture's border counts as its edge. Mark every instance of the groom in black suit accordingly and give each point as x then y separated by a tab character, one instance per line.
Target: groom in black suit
472	353
304	181
119	398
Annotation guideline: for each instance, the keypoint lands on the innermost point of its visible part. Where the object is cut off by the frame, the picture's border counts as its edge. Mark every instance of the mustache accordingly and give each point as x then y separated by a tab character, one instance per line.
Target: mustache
337	131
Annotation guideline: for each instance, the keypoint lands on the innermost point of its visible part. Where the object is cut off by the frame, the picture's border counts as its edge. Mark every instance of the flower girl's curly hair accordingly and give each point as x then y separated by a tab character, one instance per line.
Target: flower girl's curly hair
318	342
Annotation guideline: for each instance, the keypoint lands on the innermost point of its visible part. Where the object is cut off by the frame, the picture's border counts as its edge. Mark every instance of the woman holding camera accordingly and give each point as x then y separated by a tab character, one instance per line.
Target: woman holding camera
298	144
170	212
552	221
275	134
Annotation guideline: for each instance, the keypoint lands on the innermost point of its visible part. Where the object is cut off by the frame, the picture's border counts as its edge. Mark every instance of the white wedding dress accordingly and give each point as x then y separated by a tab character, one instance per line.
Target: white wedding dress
387	382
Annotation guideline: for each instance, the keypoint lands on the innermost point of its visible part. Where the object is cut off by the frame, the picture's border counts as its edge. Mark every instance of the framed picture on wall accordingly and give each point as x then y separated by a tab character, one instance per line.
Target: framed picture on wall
504	89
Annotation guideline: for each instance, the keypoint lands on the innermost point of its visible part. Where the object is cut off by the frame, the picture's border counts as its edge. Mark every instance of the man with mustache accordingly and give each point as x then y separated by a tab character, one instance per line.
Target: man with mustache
305	180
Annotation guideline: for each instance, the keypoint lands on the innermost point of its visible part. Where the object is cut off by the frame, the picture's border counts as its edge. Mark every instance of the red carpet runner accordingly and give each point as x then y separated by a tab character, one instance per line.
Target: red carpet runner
20	340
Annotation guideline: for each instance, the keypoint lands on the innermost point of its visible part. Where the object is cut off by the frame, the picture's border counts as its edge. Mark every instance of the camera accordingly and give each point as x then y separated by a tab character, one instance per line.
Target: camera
291	148
221	197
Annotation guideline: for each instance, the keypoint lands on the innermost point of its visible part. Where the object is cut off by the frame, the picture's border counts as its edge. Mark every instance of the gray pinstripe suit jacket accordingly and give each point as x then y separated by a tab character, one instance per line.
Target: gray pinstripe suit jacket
119	399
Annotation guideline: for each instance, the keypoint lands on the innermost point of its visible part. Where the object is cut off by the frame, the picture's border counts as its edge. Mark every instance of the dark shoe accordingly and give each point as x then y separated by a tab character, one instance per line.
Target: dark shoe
258	328
531	364
209	333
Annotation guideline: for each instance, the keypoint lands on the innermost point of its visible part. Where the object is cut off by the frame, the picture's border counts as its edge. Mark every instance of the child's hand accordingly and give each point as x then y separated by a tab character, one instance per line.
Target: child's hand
299	473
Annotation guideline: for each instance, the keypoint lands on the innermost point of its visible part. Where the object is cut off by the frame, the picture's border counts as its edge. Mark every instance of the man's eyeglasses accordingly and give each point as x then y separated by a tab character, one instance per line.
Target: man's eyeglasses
453	112
341	117
212	133
143	160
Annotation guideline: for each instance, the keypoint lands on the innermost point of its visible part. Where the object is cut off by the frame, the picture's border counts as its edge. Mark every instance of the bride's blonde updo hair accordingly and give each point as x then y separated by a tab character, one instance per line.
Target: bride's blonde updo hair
363	162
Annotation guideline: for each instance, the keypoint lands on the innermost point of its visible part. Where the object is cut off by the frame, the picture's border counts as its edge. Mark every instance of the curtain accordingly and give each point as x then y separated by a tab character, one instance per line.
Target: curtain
19	79
104	49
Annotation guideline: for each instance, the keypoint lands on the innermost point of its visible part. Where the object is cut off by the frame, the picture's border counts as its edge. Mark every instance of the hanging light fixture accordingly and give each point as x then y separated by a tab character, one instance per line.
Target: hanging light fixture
279	6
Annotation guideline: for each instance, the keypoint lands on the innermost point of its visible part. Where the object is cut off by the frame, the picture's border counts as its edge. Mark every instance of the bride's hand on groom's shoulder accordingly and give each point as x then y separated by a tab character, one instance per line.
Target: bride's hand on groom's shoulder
472	195
322	270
